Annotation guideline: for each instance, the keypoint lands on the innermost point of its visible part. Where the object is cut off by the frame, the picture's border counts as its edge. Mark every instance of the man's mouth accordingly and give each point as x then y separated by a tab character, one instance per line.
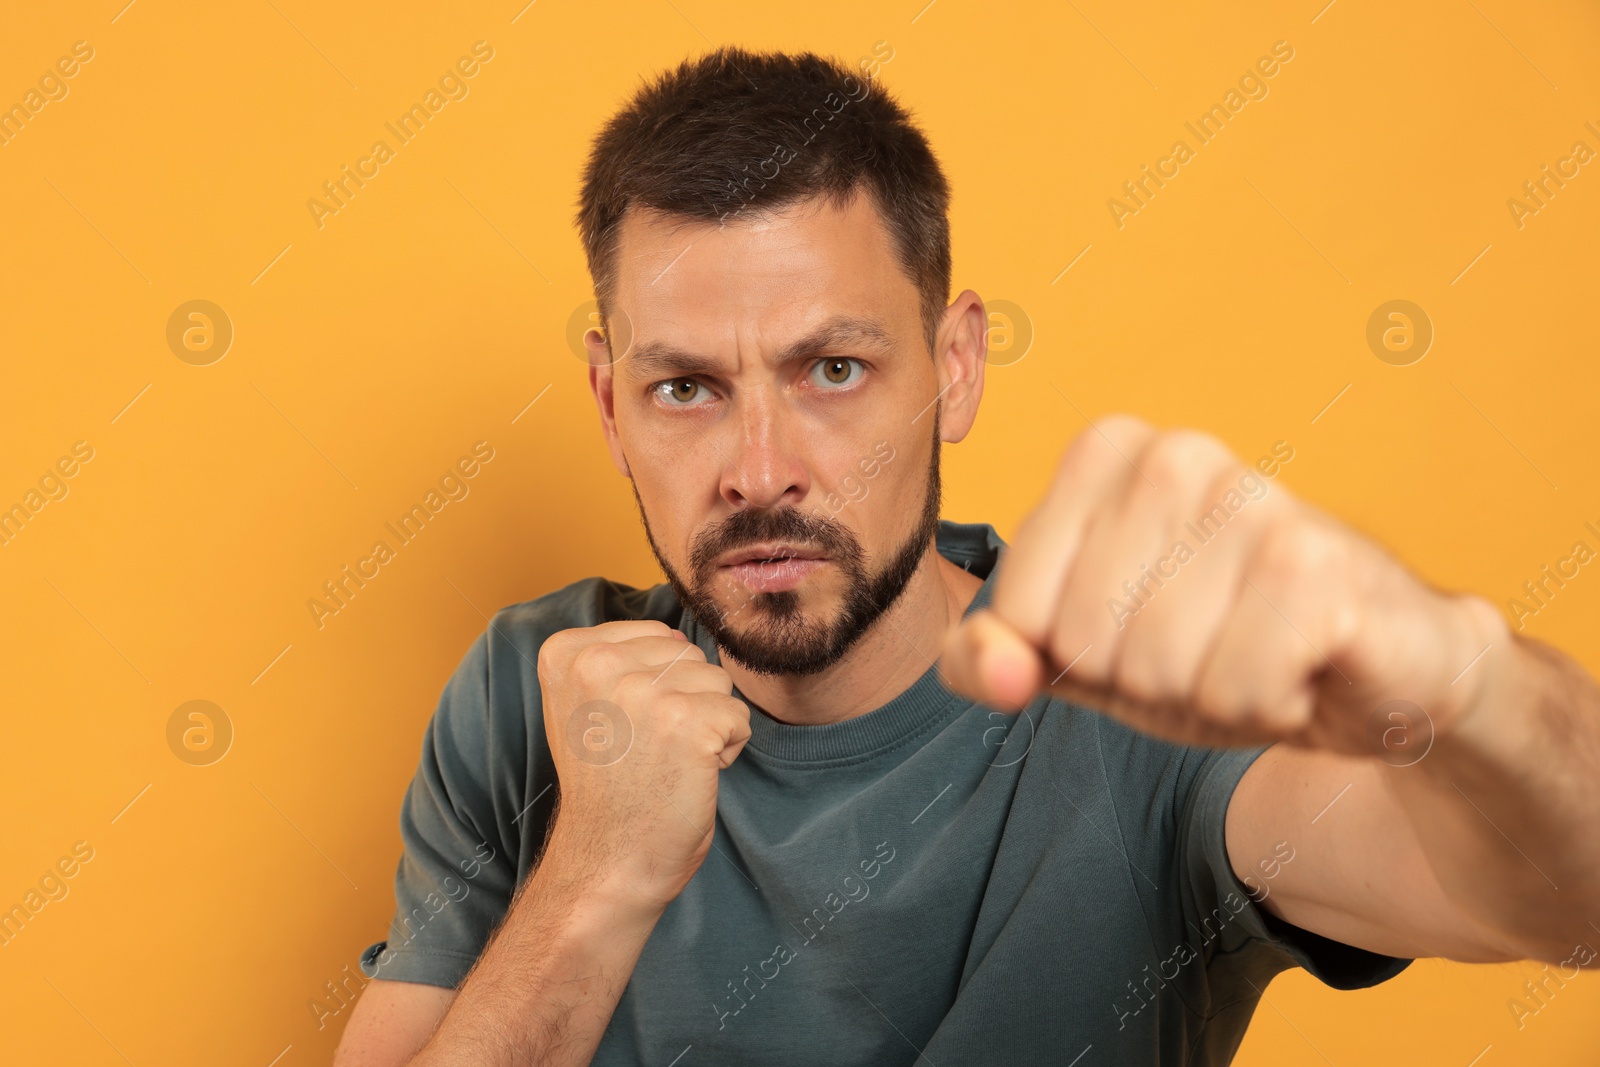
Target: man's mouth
771	567
769	553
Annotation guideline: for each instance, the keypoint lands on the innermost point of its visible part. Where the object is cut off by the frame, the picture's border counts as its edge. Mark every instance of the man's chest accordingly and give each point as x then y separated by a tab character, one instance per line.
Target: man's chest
926	909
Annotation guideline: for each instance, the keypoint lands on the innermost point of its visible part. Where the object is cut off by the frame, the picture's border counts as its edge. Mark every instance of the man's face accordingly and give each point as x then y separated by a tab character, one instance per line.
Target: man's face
773	397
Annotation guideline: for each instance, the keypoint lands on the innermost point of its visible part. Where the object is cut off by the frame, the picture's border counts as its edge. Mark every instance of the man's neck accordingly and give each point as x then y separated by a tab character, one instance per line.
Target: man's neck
898	649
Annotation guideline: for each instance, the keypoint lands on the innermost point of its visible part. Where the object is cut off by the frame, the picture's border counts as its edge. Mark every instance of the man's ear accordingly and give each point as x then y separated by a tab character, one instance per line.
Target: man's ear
959	360
602	382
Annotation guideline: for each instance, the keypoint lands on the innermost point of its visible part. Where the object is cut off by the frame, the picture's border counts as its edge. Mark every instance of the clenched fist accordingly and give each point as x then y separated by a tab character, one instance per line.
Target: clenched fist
639	724
1164	582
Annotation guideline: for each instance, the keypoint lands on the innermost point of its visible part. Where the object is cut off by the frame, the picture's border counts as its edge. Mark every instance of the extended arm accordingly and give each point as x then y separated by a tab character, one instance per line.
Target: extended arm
1436	778
1481	843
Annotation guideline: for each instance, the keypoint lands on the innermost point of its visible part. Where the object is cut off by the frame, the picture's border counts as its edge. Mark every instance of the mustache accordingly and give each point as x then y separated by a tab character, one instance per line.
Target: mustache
758	525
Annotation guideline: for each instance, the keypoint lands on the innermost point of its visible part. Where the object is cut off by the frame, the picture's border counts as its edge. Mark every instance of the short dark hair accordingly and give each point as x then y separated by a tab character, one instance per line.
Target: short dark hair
699	142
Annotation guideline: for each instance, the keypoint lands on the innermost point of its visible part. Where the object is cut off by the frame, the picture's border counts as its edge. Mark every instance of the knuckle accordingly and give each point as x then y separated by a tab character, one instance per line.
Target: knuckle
1075	466
1120	427
720	678
594	660
555	648
732	715
1105	442
1177	458
547	657
672	707
1229	499
1291	550
633	688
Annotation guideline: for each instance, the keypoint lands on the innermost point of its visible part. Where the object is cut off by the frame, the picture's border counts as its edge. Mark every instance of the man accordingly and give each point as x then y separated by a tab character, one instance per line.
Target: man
856	785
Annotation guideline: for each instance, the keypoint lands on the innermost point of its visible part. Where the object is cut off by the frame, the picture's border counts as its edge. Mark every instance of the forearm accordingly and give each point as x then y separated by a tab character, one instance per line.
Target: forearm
546	984
1506	804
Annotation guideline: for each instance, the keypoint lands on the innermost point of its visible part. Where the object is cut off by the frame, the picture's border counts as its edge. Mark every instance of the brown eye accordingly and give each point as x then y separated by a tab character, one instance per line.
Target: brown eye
678	392
839	371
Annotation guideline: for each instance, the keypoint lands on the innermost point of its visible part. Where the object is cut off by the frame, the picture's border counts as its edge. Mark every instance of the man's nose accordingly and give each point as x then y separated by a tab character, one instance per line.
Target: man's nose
766	461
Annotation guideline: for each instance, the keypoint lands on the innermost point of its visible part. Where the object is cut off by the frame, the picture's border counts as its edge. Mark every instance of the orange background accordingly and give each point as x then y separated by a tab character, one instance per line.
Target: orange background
372	352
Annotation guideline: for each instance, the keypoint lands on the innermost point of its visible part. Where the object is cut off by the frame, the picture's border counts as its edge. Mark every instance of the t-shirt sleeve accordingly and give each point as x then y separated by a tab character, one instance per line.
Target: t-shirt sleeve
1243	940
455	879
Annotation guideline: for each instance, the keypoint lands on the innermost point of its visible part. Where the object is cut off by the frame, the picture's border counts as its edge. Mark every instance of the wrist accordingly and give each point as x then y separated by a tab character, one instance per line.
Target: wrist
574	865
1485	722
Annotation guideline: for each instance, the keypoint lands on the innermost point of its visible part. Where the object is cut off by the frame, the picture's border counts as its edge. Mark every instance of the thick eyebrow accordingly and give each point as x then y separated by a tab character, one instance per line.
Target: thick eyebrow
657	360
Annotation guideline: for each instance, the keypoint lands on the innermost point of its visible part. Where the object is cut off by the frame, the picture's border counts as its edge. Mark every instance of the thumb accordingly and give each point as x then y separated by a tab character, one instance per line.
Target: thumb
987	661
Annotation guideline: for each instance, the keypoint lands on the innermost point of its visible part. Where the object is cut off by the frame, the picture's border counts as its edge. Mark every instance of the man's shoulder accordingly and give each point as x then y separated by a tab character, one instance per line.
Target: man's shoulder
585	602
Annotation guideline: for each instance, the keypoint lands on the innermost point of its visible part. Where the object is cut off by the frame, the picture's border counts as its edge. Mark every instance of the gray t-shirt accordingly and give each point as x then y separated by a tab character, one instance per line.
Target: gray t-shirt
933	881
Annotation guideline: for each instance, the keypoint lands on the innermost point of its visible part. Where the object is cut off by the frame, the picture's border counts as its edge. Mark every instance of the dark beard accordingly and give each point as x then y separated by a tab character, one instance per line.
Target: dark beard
785	640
